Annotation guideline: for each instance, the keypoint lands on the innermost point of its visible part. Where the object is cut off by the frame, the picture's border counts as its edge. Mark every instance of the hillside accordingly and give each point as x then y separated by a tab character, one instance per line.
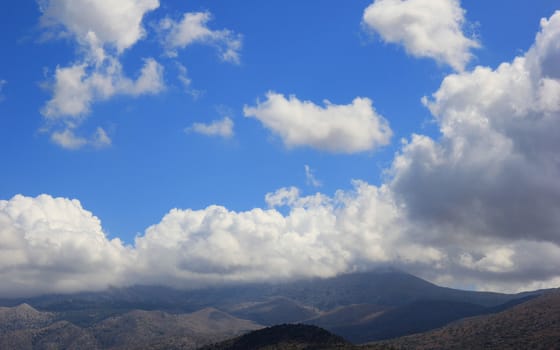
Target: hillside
534	324
419	316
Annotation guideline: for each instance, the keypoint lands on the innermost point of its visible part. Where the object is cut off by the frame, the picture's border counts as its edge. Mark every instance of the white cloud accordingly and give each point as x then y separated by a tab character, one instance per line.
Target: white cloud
426	28
193	29
69	140
116	23
222	128
53	245
310	177
75	88
351	128
490	184
320	236
102	30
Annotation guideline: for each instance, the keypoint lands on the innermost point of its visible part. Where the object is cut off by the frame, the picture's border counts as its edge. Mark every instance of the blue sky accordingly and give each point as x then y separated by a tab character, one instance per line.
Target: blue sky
135	150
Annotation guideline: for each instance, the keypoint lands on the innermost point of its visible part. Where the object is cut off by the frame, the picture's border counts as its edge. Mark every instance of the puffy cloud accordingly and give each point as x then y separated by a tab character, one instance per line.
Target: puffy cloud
53	245
118	24
221	128
490	185
319	236
426	28
193	29
494	170
102	31
351	128
75	88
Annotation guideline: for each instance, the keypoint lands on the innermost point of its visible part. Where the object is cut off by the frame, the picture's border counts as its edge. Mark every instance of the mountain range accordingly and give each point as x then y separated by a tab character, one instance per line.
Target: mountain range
360	307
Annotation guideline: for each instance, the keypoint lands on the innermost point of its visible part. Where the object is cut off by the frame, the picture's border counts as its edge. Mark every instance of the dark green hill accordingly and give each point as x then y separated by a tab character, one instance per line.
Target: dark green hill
284	337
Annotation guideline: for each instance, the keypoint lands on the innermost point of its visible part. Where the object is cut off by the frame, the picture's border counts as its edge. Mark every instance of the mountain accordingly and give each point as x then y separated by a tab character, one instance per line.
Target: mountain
23	327
361	307
534	324
23	317
388	287
284	337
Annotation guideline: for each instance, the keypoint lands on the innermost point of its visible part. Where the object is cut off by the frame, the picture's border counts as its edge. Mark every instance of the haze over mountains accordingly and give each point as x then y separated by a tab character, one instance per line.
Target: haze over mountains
360	307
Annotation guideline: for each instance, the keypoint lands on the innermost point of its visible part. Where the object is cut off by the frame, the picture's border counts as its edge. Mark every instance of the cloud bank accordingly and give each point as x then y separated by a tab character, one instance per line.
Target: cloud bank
425	28
351	128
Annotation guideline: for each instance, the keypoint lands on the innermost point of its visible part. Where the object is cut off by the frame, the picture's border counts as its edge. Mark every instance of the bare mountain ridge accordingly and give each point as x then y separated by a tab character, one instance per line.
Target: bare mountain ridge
136	329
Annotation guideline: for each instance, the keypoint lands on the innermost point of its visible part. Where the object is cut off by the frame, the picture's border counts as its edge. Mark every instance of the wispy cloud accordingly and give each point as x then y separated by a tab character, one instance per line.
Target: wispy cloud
2	84
69	140
310	177
193	29
221	128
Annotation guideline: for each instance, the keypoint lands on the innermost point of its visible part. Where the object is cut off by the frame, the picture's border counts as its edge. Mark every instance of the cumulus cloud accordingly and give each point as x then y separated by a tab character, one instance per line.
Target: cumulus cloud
351	128
118	24
75	89
102	32
319	236
53	245
221	128
490	184
193	29
425	28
